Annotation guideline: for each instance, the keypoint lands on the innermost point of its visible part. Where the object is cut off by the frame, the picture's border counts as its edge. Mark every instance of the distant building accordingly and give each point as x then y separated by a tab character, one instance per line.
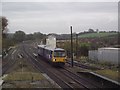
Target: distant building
51	41
110	55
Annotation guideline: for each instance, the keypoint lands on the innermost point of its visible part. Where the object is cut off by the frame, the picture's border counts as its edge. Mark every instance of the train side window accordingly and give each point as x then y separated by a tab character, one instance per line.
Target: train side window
50	52
47	51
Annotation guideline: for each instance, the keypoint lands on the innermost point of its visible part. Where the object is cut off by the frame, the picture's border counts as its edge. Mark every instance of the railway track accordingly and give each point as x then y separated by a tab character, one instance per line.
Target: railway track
99	81
60	78
64	75
83	66
42	68
75	63
9	61
102	83
84	82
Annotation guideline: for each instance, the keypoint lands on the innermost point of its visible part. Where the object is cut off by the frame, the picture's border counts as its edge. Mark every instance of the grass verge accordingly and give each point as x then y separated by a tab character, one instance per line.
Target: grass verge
114	75
16	76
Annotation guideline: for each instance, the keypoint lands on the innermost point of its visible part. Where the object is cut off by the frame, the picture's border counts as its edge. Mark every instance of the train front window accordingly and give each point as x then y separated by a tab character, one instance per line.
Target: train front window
59	53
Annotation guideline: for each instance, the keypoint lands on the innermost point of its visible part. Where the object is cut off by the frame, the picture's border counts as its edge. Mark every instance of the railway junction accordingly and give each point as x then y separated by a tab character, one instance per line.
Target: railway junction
24	69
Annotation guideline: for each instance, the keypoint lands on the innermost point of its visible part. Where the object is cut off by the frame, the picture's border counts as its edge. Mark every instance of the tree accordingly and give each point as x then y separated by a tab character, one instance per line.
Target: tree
19	36
0	24
118	38
29	37
3	26
4	23
38	35
67	47
84	48
4	42
90	30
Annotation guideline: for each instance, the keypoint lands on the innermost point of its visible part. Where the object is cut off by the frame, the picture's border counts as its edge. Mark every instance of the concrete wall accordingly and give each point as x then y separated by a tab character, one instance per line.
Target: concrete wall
105	55
93	55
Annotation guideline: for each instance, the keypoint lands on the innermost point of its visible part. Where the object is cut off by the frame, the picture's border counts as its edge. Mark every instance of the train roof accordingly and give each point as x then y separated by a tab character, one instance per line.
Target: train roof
51	48
58	49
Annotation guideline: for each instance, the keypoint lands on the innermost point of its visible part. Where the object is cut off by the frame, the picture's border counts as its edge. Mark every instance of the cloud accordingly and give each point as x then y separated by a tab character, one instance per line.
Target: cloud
55	17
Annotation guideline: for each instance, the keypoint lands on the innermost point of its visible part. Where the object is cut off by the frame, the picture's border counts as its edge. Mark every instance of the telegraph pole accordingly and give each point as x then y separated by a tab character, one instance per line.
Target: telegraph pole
71	47
76	45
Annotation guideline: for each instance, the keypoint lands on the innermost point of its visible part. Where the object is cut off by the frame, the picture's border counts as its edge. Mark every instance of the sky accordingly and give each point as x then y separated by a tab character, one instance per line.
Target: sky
57	17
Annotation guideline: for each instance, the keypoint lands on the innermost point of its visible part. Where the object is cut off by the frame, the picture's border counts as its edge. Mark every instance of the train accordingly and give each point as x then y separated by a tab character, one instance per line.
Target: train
56	56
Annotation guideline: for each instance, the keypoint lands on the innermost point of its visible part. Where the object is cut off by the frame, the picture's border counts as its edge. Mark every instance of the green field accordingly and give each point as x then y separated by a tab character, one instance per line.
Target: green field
92	35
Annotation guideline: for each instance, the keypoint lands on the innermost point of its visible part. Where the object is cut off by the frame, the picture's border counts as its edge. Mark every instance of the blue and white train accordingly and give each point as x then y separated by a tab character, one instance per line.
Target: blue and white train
57	56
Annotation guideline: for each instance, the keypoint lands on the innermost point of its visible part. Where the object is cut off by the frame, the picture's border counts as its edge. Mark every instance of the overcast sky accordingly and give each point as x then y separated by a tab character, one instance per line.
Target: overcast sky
56	17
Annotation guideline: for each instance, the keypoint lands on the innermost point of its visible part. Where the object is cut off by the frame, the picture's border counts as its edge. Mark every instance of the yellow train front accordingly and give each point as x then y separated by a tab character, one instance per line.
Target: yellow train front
56	56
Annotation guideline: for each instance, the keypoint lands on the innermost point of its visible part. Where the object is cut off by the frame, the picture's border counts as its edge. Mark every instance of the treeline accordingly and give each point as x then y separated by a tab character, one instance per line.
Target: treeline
97	30
85	44
3	30
80	49
11	39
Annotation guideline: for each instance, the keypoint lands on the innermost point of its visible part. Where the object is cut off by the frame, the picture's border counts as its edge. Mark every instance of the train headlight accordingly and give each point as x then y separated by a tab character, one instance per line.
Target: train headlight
54	59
